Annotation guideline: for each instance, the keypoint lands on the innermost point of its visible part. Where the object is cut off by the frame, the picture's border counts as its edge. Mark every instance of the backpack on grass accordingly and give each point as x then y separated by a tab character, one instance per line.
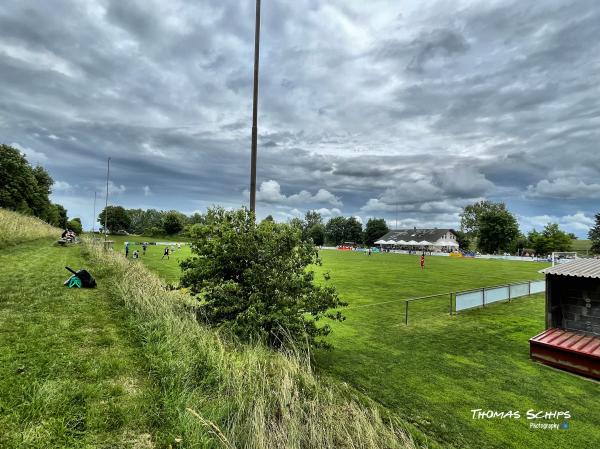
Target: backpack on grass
80	279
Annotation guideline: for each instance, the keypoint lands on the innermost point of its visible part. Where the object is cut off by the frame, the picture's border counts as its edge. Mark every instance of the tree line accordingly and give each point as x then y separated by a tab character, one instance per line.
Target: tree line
492	228
26	189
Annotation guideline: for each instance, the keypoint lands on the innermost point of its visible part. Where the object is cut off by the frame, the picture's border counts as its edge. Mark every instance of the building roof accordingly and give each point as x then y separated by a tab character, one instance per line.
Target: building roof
430	235
586	268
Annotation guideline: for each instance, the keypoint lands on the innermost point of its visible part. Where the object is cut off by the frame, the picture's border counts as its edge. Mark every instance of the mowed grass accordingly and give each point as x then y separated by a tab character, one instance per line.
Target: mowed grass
168	269
437	369
70	375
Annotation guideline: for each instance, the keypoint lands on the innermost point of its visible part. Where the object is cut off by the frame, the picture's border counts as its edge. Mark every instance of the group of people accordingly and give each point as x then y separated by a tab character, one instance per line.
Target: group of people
136	254
68	236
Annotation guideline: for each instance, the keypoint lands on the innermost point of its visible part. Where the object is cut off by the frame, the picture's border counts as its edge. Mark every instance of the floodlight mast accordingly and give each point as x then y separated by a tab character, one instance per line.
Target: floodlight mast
94	216
106	203
255	111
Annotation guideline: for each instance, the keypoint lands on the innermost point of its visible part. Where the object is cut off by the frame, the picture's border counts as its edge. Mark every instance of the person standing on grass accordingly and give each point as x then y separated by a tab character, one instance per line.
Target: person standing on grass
166	253
126	249
144	248
422	261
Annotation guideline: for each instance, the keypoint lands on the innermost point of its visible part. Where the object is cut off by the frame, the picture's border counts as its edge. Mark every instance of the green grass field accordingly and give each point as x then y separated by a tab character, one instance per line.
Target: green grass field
434	371
168	269
70	374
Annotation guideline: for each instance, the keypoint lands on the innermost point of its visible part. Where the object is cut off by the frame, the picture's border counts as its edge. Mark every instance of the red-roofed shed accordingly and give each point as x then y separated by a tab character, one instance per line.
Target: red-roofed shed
571	340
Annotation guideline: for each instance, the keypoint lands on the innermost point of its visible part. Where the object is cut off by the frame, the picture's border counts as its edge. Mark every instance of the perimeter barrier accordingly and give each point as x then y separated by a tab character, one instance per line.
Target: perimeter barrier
470	299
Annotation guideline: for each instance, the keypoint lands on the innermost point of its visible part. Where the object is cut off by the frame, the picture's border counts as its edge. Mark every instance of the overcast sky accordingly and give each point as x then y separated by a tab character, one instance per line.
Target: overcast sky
388	109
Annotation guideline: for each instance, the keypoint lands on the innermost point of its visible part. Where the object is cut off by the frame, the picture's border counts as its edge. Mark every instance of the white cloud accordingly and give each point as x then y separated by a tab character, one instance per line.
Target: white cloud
270	192
328	213
147	191
62	186
33	157
566	188
578	223
113	189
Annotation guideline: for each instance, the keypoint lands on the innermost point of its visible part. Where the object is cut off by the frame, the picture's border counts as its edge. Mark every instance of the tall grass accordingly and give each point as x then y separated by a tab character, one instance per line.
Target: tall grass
216	393
17	228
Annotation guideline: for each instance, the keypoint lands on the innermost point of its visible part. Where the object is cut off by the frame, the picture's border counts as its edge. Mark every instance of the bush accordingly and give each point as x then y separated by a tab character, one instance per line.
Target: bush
75	225
252	279
215	393
173	222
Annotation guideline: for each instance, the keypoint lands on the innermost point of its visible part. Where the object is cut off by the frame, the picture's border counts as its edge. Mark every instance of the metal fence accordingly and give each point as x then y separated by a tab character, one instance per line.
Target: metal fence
480	297
445	304
454	302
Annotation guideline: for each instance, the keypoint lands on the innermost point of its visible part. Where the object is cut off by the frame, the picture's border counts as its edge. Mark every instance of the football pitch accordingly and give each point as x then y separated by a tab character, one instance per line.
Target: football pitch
439	368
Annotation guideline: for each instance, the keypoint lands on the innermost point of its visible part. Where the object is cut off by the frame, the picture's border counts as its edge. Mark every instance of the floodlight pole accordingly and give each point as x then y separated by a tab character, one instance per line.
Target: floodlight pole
255	111
106	204
94	216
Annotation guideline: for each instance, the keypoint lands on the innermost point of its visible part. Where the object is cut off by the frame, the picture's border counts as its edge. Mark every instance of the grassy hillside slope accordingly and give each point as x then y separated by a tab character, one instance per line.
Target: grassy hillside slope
16	228
228	395
127	365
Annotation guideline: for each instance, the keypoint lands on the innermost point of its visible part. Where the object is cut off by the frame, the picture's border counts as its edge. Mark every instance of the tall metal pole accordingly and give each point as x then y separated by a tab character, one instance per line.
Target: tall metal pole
255	111
106	204
94	217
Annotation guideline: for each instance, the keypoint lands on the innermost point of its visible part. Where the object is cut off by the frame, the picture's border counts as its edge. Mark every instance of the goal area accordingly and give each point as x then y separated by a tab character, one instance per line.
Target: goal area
563	256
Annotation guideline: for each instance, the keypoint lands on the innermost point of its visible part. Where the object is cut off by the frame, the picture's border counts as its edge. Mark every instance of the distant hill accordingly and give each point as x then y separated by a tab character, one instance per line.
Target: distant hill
582	246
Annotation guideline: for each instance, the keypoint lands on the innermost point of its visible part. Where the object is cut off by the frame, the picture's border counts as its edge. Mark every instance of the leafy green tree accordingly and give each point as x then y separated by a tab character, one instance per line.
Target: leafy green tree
335	230
375	229
550	240
463	240
60	213
312	218
173	222
137	217
75	225
118	219
519	244
353	230
253	280
195	218
497	228
471	215
558	240
491	224
594	235
316	233
17	181
312	228
23	188
572	236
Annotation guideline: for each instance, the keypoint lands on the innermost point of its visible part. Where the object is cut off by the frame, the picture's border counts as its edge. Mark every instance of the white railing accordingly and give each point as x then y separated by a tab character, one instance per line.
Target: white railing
487	295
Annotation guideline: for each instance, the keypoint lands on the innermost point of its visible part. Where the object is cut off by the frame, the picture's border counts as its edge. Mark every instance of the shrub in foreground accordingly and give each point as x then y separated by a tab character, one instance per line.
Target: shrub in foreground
253	279
217	393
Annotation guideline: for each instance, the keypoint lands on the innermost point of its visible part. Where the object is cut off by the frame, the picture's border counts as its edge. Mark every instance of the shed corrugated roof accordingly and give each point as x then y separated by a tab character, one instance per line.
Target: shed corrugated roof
586	268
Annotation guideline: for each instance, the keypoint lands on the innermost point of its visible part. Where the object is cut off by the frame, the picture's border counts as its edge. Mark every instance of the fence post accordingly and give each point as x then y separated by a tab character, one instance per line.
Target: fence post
450	303
508	292
529	292
483	296
406	313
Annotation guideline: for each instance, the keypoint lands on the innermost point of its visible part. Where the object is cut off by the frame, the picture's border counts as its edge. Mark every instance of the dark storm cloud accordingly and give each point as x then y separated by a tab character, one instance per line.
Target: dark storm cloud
392	108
